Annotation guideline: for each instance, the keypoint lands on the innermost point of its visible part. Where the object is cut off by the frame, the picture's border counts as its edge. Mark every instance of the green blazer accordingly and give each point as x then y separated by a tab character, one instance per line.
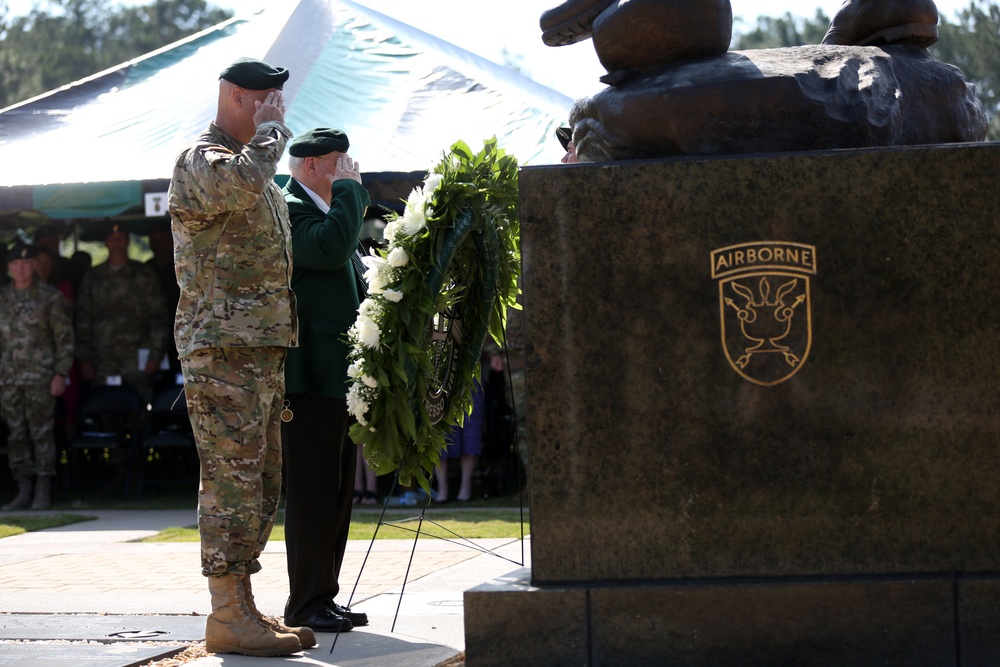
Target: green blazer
323	279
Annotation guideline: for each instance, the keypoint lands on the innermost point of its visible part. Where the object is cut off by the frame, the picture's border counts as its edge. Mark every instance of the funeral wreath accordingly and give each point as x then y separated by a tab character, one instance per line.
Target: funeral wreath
443	282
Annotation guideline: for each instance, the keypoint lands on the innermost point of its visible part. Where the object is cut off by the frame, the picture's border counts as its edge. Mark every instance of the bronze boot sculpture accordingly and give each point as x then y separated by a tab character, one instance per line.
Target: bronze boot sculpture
878	22
638	34
232	628
571	21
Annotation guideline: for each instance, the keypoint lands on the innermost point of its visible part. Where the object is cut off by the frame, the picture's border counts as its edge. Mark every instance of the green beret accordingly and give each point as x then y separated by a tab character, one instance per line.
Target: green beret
254	74
319	141
21	250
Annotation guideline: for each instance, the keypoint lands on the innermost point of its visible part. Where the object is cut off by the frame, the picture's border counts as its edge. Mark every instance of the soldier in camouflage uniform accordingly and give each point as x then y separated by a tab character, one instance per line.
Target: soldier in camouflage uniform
235	319
36	352
120	310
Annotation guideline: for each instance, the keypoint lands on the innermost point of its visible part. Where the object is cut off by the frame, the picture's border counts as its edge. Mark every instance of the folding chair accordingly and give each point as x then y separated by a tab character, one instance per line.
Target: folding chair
109	431
168	447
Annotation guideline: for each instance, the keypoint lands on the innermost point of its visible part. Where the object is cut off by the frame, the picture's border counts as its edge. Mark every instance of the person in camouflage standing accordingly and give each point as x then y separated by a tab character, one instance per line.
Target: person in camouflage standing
120	310
36	352
235	320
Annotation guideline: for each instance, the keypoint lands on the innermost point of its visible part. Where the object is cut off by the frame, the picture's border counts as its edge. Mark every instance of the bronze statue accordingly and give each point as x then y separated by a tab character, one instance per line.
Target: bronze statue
875	22
637	34
675	90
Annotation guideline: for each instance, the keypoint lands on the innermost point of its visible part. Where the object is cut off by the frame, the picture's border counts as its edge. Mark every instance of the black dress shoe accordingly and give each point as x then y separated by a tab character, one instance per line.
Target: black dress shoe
357	618
325	620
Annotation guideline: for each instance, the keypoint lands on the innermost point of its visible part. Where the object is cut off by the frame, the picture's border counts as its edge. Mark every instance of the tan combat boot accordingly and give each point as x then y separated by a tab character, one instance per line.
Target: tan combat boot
306	636
42	500
232	628
23	498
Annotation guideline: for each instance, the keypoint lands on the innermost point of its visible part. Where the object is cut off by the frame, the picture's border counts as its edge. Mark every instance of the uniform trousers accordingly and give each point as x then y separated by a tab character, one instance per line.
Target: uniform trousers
29	413
235	396
320	460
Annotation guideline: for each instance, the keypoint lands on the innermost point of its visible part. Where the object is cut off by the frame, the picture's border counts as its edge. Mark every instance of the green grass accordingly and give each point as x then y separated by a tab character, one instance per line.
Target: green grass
471	523
15	525
185	496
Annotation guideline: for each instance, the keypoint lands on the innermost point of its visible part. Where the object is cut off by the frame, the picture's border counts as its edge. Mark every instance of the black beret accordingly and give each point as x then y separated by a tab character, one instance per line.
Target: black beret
564	135
254	74
21	250
319	141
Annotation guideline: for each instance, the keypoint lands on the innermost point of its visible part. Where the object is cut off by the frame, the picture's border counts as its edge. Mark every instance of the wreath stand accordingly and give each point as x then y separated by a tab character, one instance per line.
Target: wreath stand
448	358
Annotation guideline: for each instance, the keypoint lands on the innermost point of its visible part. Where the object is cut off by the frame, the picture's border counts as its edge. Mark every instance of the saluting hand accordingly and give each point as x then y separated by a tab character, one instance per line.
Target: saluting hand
272	108
347	168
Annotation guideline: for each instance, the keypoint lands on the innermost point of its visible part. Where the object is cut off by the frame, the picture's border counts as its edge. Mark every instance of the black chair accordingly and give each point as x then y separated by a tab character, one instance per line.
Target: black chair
109	430
168	447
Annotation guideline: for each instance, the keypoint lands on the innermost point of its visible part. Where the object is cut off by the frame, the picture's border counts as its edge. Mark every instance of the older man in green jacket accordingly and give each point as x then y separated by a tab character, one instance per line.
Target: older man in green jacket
326	205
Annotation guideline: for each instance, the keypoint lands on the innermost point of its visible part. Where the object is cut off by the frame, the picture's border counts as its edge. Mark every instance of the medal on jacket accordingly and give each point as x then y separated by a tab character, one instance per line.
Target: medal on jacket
286	414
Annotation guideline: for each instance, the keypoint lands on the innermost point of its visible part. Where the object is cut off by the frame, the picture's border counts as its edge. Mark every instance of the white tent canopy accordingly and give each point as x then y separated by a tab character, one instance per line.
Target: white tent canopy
403	97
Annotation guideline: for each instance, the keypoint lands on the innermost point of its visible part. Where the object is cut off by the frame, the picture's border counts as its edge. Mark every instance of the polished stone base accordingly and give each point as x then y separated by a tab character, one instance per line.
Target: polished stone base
763	409
928	622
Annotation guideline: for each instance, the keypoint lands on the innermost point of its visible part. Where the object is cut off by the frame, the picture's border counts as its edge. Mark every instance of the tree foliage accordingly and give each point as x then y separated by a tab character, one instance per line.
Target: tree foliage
972	44
61	41
784	31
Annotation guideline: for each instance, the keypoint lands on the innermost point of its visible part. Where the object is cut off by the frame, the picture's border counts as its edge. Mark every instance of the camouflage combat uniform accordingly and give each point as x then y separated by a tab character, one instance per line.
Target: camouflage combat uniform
119	311
235	319
36	343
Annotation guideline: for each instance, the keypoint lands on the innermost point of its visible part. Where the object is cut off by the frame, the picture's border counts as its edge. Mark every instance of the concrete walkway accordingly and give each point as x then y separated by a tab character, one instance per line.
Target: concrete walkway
98	567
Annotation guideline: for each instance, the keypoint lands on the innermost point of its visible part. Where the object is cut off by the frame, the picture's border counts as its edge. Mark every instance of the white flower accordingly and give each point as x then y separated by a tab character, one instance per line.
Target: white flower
369	381
414	219
372	261
398	257
417	200
354	370
432	183
377	273
369	308
391	229
367	331
393	295
377	278
356	404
